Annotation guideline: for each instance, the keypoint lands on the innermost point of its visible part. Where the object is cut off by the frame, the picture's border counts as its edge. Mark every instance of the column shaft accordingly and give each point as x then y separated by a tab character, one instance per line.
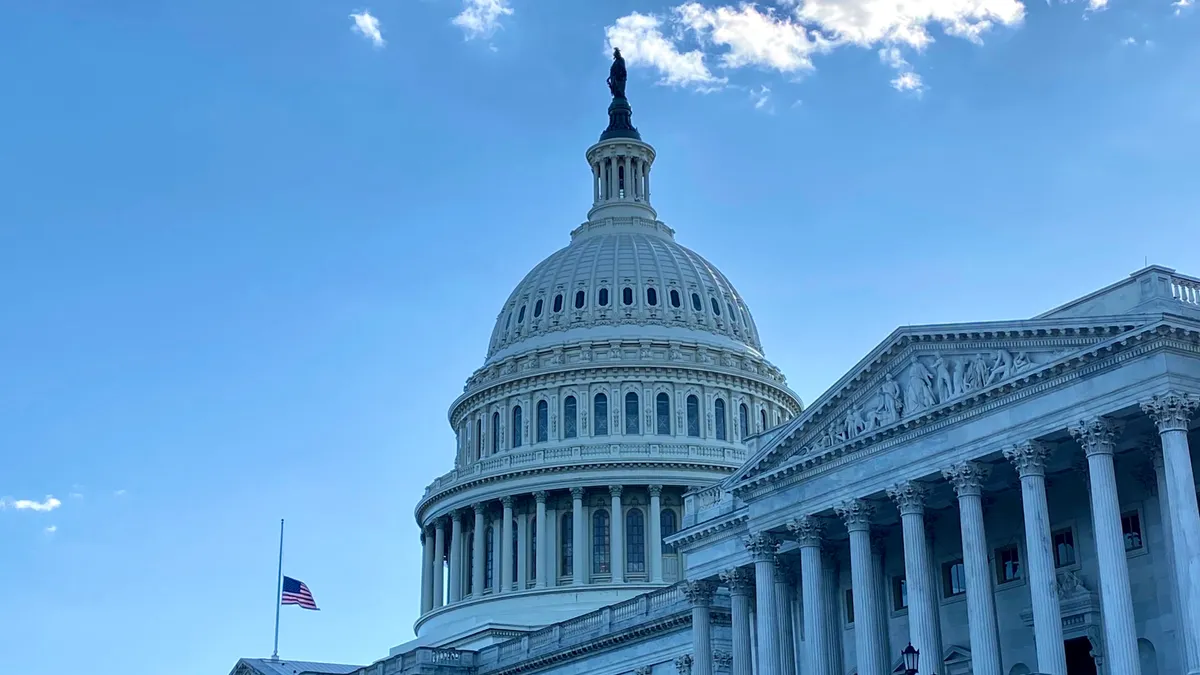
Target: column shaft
808	531
656	543
741	586
967	479
700	594
1170	522
542	551
504	583
922	621
456	564
832	603
479	555
427	572
579	554
783	620
856	513
497	572
617	532
439	563
762	547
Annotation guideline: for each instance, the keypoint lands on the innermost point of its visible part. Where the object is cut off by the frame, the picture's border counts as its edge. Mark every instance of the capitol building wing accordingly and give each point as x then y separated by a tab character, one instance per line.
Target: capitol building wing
635	490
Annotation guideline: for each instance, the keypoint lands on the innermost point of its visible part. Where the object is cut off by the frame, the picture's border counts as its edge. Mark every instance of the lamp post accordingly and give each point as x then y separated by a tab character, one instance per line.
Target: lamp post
911	655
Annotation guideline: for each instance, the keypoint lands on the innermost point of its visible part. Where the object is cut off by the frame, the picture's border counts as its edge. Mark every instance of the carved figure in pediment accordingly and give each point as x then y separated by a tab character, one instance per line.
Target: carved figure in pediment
1022	362
826	439
918	394
976	375
889	400
853	424
1069	584
945	382
1003	368
871	419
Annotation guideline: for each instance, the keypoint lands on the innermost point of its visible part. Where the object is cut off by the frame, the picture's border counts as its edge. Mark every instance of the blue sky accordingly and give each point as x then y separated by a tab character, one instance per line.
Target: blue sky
249	252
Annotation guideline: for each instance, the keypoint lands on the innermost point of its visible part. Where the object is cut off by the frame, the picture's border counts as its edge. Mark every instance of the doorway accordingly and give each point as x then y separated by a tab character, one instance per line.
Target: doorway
1079	657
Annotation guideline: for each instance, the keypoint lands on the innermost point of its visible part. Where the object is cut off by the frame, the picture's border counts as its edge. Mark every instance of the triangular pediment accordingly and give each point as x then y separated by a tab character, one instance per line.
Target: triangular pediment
923	371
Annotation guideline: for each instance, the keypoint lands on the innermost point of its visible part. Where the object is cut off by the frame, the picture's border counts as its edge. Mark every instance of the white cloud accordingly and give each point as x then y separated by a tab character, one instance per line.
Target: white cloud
752	37
1129	41
368	26
49	504
481	18
1181	5
640	39
76	495
51	529
119	493
761	97
907	79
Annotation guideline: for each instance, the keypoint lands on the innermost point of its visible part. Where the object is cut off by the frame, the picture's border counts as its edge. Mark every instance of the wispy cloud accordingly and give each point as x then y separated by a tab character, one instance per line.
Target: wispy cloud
481	18
907	79
1181	5
48	504
51	529
761	97
120	493
368	26
641	41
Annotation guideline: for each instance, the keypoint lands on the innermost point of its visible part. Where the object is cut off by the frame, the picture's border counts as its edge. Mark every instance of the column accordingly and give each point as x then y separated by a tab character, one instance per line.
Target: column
1097	438
808	530
833	609
700	595
456	548
785	580
967	479
656	537
1171	412
741	586
497	559
922	617
579	556
647	180
439	566
857	515
595	183
523	548
617	536
427	544
542	565
628	178
479	555
1030	460
504	583
1170	520
762	547
878	540
637	179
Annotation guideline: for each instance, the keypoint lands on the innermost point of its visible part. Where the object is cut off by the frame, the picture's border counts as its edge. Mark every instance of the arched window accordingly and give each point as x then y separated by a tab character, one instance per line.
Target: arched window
693	415
627	296
603	301
515	548
631	414
580	299
521	314
600	550
495	433
543	421
719	418
537	308
600	415
666	524
635	542
732	314
762	413
743	420
674	298
651	297
533	547
662	414
489	568
558	303
716	307
570	429
478	440
566	544
696	302
516	424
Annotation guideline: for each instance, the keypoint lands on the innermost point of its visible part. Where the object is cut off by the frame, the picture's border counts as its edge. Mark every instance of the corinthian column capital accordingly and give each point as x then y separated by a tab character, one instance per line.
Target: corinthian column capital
967	478
1171	411
1029	458
1096	436
699	592
909	497
807	530
762	546
739	580
856	513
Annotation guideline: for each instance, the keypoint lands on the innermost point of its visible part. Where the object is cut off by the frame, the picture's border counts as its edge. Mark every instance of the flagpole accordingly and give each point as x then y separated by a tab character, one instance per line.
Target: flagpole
278	592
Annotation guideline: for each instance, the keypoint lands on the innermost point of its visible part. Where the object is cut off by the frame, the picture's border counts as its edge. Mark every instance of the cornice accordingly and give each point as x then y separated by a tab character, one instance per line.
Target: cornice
709	529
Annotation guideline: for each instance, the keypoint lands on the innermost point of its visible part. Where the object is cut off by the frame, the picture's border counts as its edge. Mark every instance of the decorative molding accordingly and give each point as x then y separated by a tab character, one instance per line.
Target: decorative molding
1029	458
683	664
808	531
722	660
762	546
1171	411
967	478
738	580
856	513
1097	436
909	497
699	592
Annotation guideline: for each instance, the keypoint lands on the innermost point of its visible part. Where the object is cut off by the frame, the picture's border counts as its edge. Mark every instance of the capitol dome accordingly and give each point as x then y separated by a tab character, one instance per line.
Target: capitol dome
623	372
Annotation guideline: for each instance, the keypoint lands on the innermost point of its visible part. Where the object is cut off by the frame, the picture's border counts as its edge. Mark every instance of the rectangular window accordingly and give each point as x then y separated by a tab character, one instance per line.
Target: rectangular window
954	578
1008	564
1064	547
849	605
899	594
1131	527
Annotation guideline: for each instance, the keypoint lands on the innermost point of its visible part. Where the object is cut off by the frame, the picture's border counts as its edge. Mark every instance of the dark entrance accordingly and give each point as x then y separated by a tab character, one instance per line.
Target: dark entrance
1079	657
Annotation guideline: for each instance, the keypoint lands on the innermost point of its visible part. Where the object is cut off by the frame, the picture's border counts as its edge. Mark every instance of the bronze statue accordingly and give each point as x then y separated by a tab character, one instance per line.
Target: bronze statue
617	75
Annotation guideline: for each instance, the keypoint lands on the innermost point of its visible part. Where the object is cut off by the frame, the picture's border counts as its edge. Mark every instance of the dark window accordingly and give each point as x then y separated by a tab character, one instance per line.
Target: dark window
558	303
543	421
603	300
744	420
489	570
516	430
533	547
635	542
569	410
732	314
478	439
1008	564
899	594
495	433
1064	548
762	414
537	308
600	415
696	305
1131	527
674	298
716	306
631	414
666	522
566	546
627	296
954	578
662	414
521	314
849	605
580	299
651	297
719	415
693	416
600	555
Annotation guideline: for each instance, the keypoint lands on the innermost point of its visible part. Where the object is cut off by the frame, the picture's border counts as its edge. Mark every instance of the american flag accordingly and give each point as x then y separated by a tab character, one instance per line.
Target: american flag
296	593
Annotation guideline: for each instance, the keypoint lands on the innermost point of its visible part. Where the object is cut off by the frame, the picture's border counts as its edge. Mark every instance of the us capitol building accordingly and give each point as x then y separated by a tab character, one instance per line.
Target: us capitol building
636	491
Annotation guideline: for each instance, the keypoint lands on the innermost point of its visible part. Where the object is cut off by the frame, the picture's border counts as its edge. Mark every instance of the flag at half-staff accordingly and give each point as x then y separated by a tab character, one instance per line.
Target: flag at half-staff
296	593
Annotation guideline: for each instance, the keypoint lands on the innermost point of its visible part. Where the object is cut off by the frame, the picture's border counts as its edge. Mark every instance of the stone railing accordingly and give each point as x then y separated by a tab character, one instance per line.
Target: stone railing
1185	289
706	504
583	454
424	660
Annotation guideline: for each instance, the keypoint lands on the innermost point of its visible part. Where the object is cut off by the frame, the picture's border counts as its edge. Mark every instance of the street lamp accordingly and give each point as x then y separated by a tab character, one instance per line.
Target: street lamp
910	655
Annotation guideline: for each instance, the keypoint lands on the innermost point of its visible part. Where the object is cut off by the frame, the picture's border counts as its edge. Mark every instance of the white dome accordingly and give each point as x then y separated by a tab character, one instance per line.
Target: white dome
623	272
